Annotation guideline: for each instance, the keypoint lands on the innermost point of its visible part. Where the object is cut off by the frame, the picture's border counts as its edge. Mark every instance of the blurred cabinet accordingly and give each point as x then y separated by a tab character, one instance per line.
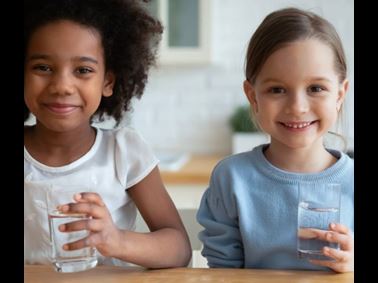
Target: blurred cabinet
186	36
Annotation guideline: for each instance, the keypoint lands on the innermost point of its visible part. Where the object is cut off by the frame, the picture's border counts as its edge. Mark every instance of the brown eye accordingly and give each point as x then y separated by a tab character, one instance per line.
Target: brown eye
277	90
42	68
84	70
316	89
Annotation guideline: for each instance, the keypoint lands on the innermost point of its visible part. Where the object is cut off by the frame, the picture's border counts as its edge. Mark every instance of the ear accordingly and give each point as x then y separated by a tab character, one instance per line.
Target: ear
108	84
249	91
341	94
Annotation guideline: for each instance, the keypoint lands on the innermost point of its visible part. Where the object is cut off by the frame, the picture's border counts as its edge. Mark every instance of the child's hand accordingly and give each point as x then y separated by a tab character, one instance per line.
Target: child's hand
104	235
343	258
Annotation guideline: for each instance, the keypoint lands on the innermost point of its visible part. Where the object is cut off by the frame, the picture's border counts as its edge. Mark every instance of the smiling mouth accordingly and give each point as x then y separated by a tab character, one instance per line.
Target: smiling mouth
61	108
297	125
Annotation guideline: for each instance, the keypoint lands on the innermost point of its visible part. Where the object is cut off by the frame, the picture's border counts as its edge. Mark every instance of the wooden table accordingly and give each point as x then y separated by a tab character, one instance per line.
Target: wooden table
196	171
111	274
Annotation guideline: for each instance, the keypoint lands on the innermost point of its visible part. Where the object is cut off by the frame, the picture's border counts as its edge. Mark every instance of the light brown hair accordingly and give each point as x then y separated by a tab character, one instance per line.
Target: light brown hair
288	25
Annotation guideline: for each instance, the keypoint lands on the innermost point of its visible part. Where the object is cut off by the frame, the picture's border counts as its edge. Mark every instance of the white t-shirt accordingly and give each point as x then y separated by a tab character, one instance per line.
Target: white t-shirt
117	160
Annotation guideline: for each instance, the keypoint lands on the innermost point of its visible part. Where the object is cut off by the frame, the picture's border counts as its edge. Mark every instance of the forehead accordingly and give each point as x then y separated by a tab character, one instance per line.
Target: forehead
66	37
309	57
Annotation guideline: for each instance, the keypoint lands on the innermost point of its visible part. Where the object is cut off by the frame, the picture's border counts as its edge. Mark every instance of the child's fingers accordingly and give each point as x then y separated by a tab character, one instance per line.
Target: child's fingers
338	255
87	208
79	244
345	240
326	263
340	228
91	241
89	197
310	233
334	265
330	236
339	261
93	225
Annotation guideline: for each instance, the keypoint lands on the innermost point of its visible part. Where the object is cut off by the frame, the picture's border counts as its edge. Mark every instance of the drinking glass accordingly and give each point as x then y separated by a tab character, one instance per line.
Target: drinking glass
62	260
318	206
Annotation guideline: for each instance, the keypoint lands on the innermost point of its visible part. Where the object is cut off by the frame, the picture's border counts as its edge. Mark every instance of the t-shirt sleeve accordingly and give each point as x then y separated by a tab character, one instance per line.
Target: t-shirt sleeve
134	158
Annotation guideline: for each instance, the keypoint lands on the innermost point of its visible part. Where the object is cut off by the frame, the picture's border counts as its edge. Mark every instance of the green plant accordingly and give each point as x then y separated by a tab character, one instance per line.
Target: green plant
240	120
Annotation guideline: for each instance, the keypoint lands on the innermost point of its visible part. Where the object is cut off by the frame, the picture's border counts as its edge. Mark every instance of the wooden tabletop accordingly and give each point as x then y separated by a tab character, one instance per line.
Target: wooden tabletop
103	274
196	171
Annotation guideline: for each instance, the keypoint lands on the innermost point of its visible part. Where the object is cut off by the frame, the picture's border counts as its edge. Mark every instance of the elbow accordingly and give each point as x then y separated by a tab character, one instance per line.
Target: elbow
181	253
188	256
185	255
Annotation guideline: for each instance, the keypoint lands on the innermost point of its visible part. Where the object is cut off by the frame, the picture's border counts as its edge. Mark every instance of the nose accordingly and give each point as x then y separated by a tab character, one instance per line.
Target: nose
61	84
297	103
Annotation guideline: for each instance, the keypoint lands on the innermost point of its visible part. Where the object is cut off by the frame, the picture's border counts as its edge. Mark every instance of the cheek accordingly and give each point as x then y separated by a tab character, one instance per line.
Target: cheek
93	101
33	87
329	113
265	115
268	108
28	99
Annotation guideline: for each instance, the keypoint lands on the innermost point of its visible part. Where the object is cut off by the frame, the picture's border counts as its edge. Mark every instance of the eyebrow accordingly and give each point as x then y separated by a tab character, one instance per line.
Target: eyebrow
270	80
273	80
320	79
77	58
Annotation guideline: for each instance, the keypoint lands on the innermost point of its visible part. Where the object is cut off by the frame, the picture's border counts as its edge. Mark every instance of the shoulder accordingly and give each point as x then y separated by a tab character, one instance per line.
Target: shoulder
123	136
122	131
238	163
343	170
344	161
229	182
134	158
231	174
126	141
349	161
232	162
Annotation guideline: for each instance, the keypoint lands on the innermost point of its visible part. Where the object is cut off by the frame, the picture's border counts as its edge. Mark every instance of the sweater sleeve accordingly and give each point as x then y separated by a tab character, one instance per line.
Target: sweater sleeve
222	244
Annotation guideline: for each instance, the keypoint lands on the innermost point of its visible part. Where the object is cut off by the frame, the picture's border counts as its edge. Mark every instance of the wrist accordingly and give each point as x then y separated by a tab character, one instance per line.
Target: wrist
119	248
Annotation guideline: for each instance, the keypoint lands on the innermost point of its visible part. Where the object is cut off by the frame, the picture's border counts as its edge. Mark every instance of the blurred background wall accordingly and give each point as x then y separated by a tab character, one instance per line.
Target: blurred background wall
187	103
187	107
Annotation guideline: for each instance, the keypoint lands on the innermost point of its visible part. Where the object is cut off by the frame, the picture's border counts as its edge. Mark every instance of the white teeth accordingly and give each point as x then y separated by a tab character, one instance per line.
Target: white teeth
298	126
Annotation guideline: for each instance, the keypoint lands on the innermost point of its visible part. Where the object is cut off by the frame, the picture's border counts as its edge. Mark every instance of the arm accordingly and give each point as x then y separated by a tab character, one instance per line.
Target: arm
167	245
222	243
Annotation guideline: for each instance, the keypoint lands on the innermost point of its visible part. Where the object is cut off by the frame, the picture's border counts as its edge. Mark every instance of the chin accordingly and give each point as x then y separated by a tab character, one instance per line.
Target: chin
298	144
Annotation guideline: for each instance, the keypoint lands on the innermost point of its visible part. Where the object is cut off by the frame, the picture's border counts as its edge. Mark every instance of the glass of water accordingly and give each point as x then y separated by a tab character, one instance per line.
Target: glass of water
62	260
318	206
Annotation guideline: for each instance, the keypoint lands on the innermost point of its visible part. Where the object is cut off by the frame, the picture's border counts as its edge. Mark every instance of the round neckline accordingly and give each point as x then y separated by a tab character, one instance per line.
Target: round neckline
276	173
71	165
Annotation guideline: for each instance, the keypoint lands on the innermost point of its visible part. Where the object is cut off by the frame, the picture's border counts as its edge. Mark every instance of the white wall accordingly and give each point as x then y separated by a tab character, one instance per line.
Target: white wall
187	108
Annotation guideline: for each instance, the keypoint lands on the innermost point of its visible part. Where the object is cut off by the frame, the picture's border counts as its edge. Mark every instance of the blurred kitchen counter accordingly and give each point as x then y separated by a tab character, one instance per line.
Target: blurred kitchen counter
196	171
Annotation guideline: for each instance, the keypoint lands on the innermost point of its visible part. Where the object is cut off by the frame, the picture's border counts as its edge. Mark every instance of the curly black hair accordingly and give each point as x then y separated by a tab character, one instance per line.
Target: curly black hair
130	37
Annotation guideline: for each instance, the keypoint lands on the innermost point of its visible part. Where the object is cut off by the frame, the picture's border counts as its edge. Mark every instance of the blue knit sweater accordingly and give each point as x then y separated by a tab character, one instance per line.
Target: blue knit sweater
249	211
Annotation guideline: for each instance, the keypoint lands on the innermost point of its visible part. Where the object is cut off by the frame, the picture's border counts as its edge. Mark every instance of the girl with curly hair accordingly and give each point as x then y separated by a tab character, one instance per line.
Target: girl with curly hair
84	60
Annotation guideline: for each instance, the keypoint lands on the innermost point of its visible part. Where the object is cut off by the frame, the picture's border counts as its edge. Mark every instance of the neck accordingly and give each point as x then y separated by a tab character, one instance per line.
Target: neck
311	159
58	148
